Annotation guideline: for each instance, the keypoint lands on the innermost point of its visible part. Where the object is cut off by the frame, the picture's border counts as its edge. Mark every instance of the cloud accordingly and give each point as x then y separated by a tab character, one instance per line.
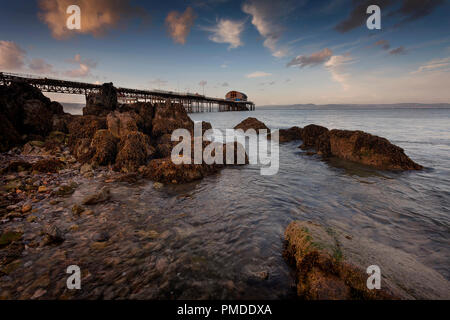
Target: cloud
409	10
159	82
436	65
258	74
41	66
225	84
398	51
416	9
179	24
84	67
384	44
203	83
11	56
336	66
97	17
227	31
358	15
265	16
312	60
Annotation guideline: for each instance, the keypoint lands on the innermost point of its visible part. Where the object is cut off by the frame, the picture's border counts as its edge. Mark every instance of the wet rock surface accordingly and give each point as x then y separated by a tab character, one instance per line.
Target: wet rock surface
252	123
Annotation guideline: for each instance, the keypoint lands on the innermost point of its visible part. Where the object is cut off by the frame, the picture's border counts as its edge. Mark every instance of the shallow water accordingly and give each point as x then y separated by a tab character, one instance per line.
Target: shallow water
214	238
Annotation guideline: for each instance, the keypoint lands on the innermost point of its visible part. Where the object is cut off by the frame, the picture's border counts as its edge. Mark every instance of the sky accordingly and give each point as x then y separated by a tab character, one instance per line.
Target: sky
277	52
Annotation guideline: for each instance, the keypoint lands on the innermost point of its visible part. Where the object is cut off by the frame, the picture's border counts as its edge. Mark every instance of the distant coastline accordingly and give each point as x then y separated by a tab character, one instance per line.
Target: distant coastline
368	106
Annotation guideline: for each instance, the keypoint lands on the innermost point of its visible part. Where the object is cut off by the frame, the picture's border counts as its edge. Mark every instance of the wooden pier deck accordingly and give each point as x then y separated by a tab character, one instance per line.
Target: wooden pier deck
192	102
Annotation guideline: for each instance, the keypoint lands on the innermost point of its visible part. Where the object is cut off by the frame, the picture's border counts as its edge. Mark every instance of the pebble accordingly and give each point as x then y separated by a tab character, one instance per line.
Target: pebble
27	208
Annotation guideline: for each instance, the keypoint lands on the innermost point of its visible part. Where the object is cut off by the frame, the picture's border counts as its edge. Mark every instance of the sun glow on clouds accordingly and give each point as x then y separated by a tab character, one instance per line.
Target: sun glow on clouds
258	74
179	24
227	31
97	16
11	56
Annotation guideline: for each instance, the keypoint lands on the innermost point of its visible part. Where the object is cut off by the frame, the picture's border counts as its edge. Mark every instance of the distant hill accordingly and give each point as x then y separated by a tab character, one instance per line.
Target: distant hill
368	106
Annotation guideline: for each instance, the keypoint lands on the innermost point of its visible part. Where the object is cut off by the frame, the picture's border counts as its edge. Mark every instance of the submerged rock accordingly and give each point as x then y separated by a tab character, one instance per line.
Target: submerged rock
53	235
252	123
102	195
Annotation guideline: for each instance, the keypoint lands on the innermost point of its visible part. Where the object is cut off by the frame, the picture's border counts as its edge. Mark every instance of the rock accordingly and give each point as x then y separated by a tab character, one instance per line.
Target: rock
38	294
101	196
369	150
17	166
322	272
165	171
292	134
134	151
8	237
81	131
88	213
50	165
77	209
310	135
37	118
85	168
252	123
100	236
60	122
42	189
53	235
66	189
103	148
169	117
100	104
9	136
161	264
55	140
206	126
26	208
158	185
120	124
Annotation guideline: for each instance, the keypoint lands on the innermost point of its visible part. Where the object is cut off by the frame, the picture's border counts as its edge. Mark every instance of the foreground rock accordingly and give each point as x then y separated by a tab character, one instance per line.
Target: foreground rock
26	115
331	264
102	103
252	123
357	146
322	273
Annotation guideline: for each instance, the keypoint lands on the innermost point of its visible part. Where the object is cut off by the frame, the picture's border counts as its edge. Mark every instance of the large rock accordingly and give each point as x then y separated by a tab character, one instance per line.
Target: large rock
169	117
134	151
26	114
332	264
103	102
321	271
292	134
81	131
370	150
120	124
310	134
103	148
252	123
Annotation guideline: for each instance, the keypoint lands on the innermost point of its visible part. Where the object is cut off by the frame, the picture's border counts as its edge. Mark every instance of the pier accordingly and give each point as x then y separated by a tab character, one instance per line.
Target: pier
192	102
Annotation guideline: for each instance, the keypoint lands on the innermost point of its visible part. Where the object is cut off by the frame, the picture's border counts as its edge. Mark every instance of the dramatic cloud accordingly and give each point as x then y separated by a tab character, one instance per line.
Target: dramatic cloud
384	44
438	65
258	74
409	10
11	56
398	51
84	67
265	17
40	66
179	24
336	66
227	31
96	16
312	60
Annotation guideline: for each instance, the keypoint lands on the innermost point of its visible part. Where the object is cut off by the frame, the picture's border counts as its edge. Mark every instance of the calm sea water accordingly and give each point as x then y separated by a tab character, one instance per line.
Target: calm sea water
219	233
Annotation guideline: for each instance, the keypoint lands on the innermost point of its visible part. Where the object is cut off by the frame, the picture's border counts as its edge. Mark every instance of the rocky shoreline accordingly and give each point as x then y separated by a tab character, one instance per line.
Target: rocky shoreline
48	154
